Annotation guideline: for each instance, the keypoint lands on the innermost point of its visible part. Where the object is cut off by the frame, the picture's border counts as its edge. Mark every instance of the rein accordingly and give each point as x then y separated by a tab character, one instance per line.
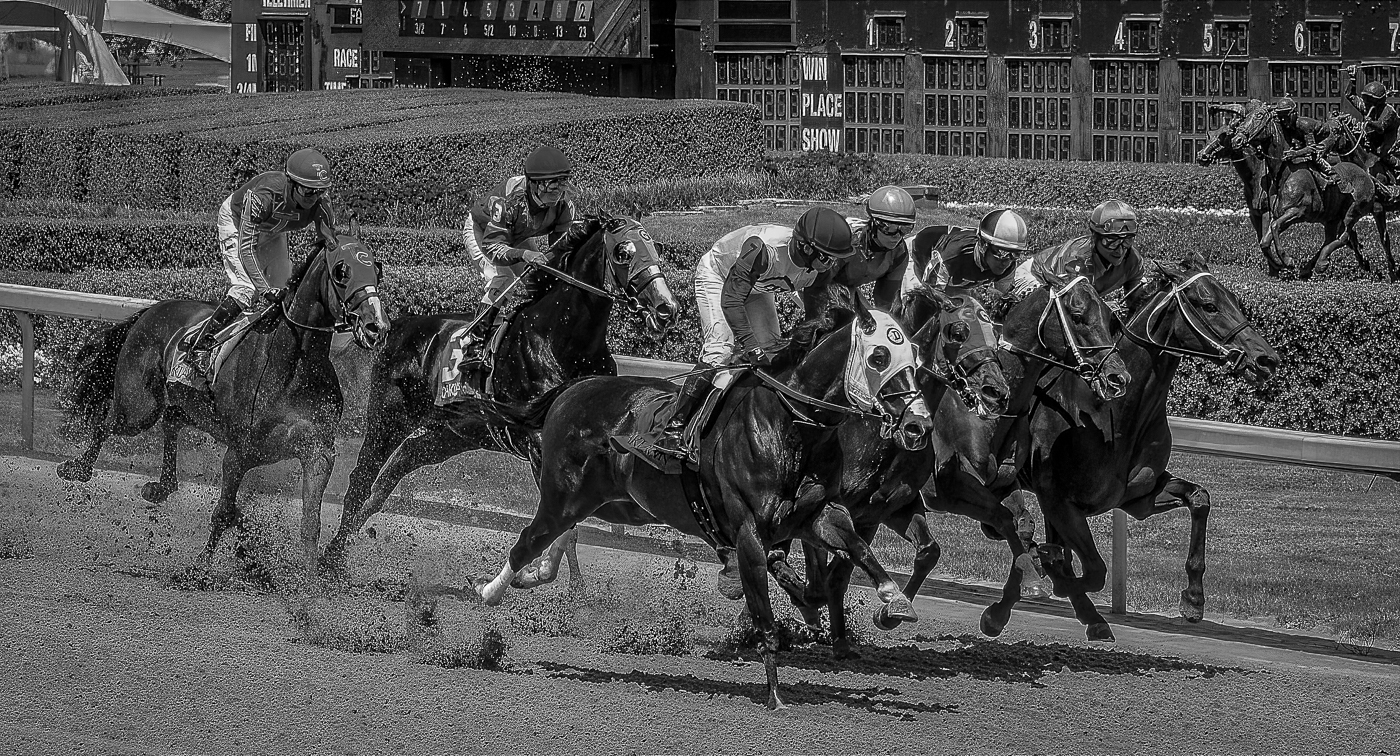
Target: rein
1082	367
342	323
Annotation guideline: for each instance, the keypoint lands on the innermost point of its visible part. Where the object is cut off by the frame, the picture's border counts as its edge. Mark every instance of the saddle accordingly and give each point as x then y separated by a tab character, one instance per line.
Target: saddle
178	369
464	370
651	419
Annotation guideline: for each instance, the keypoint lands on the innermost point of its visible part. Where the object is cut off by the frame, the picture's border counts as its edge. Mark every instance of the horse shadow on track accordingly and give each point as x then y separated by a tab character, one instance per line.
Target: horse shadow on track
1022	662
877	700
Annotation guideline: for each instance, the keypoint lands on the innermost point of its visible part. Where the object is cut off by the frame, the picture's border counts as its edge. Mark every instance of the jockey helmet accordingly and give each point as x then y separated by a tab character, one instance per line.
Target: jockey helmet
547	162
1005	229
1113	218
1374	93
825	232
1285	106
890	203
309	168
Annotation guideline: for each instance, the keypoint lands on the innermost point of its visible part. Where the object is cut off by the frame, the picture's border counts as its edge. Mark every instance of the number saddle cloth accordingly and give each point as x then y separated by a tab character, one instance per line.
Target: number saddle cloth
463	369
178	370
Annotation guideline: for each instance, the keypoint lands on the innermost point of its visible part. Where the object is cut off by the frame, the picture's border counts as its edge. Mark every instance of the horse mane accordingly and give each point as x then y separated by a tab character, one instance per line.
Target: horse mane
304	267
537	284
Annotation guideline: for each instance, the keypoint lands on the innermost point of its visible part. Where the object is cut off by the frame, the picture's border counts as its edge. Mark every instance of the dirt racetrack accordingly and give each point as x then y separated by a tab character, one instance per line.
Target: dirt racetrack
101	658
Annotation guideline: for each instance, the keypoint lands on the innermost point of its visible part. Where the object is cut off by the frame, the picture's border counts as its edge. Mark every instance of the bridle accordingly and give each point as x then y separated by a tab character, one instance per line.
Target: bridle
347	315
1082	366
625	293
1224	354
959	375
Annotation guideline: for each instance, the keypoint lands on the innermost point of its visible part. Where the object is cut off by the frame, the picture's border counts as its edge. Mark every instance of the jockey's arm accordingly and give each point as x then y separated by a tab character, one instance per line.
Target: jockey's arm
816	298
255	204
496	241
738	287
324	218
886	289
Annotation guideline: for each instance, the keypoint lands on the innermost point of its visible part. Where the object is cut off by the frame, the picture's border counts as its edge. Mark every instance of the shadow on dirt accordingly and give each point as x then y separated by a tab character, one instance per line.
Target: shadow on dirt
981	659
876	700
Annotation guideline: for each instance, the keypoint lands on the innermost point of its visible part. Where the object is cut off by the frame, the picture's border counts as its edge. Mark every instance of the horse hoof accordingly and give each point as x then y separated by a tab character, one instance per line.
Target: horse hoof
991	627
156	492
901	608
75	471
730	587
843	651
1099	631
1191	611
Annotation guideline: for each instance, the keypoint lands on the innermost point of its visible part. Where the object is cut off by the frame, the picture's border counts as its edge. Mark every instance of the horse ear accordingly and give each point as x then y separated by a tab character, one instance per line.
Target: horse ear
1168	275
1054	279
354	224
1194	262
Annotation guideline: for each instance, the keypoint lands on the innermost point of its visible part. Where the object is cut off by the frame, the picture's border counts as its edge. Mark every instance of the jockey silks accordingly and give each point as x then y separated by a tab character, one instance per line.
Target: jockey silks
945	259
870	263
1077	257
252	232
502	220
755	260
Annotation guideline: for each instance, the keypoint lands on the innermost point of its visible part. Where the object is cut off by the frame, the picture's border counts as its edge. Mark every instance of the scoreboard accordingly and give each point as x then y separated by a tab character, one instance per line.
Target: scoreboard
553	20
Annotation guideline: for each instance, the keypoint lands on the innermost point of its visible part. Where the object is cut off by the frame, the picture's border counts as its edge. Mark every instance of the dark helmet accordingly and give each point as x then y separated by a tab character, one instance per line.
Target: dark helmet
1374	93
1285	106
825	231
547	162
309	168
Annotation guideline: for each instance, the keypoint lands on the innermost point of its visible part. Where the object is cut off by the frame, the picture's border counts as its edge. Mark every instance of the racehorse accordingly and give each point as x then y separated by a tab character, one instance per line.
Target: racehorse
556	336
1342	134
276	396
974	458
1252	172
1297	194
770	434
1088	458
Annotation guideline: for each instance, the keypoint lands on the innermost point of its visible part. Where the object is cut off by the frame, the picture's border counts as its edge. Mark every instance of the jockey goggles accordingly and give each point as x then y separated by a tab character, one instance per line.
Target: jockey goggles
550	184
1116	240
891	229
1000	253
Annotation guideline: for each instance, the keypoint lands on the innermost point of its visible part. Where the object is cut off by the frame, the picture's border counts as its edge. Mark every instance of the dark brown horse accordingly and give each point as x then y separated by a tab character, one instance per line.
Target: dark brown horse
767	438
1297	195
972	465
1087	458
1251	169
276	396
558	335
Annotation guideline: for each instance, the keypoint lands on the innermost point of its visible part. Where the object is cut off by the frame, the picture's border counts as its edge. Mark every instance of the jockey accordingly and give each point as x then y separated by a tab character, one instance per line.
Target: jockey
956	259
1381	126
499	233
882	254
1300	132
1105	255
252	225
735	284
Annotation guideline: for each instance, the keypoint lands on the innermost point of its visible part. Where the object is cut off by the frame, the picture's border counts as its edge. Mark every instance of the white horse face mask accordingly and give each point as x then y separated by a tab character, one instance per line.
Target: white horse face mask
876	357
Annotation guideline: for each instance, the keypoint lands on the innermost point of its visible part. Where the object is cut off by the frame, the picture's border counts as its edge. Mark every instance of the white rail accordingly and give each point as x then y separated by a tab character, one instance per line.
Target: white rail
1196	436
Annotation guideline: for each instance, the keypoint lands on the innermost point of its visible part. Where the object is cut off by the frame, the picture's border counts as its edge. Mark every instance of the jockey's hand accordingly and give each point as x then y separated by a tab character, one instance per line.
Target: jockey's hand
272	295
756	357
532	258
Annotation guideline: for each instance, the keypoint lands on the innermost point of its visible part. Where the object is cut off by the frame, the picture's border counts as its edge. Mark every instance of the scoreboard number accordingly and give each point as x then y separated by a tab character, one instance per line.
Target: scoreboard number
1035	34
950	30
1395	36
1208	37
1300	37
1120	38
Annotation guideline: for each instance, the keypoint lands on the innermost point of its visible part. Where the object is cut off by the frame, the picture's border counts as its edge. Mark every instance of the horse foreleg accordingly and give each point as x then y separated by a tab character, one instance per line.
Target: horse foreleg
833	529
1072	535
316	469
753	572
1279	260
80	468
158	491
1172	492
225	512
1383	234
546	568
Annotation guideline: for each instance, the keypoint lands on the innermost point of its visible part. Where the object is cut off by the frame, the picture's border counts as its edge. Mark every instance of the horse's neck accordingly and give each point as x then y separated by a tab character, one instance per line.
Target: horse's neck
572	320
821	374
308	308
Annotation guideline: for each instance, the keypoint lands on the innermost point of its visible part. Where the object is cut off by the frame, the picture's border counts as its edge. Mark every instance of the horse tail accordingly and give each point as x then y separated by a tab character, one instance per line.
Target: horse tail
528	416
89	394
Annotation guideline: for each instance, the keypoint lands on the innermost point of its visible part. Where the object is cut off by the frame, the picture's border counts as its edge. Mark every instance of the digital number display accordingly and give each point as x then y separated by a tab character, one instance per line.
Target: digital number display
553	20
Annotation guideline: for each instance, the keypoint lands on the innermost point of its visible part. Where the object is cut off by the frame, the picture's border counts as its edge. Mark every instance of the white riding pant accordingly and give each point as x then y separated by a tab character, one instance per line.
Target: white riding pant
1024	283
717	338
270	246
495	279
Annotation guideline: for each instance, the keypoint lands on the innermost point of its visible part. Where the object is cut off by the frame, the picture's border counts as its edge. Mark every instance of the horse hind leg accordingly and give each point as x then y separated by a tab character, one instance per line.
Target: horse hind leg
225	514
1173	492
1383	236
1073	536
131	398
833	529
753	572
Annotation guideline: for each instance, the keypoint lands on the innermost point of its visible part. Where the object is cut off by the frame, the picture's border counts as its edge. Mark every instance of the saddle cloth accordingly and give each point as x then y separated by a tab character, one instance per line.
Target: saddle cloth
651	419
177	370
453	382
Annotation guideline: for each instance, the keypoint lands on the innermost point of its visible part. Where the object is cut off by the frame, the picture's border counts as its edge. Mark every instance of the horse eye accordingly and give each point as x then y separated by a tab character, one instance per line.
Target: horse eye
341	272
957	332
624	252
879	358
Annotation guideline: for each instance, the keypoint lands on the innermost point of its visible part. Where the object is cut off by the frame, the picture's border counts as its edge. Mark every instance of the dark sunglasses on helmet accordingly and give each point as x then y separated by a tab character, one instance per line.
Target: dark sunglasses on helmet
308	191
1000	253
1114	242
550	184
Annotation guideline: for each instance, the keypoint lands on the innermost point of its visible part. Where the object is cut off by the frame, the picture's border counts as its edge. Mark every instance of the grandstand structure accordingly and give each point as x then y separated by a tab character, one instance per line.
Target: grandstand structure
1128	80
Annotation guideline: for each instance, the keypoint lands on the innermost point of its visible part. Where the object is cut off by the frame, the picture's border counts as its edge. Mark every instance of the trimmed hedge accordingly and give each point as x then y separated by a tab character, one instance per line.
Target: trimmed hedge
388	147
37	94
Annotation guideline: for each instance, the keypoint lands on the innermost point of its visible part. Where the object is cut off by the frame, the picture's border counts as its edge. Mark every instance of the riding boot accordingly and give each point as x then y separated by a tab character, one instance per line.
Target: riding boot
201	354
671	439
487	317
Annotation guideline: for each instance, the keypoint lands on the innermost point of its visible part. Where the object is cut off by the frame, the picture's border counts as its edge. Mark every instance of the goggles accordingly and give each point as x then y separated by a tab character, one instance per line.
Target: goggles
891	229
550	184
1114	242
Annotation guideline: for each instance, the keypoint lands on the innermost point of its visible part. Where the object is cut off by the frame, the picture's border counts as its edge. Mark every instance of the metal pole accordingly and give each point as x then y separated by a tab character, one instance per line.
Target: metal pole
1120	562
26	380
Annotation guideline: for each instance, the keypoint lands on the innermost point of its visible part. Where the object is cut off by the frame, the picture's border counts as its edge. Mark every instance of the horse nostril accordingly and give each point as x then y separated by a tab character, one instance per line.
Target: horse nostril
913	429
1267	362
994	393
372	327
1115	380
